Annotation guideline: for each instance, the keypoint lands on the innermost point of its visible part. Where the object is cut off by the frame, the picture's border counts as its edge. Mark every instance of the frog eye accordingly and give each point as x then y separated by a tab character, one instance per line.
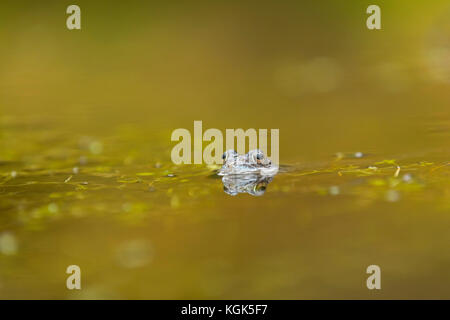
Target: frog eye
224	155
259	156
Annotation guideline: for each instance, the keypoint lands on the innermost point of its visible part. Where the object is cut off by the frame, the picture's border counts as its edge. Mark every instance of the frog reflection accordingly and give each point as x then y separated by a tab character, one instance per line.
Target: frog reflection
249	173
253	184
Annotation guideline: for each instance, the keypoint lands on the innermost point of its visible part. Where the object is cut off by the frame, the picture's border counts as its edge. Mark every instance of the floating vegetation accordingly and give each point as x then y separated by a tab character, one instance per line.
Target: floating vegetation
145	174
129	180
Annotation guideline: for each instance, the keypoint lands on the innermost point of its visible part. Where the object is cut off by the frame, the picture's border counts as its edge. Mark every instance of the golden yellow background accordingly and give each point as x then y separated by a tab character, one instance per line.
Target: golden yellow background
95	107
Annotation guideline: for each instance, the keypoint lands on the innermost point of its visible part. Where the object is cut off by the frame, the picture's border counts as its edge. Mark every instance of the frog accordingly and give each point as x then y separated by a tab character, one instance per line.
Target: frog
252	162
247	173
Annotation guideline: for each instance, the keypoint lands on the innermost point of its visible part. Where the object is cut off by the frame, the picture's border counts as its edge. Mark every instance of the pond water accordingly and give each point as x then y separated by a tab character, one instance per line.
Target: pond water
86	176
